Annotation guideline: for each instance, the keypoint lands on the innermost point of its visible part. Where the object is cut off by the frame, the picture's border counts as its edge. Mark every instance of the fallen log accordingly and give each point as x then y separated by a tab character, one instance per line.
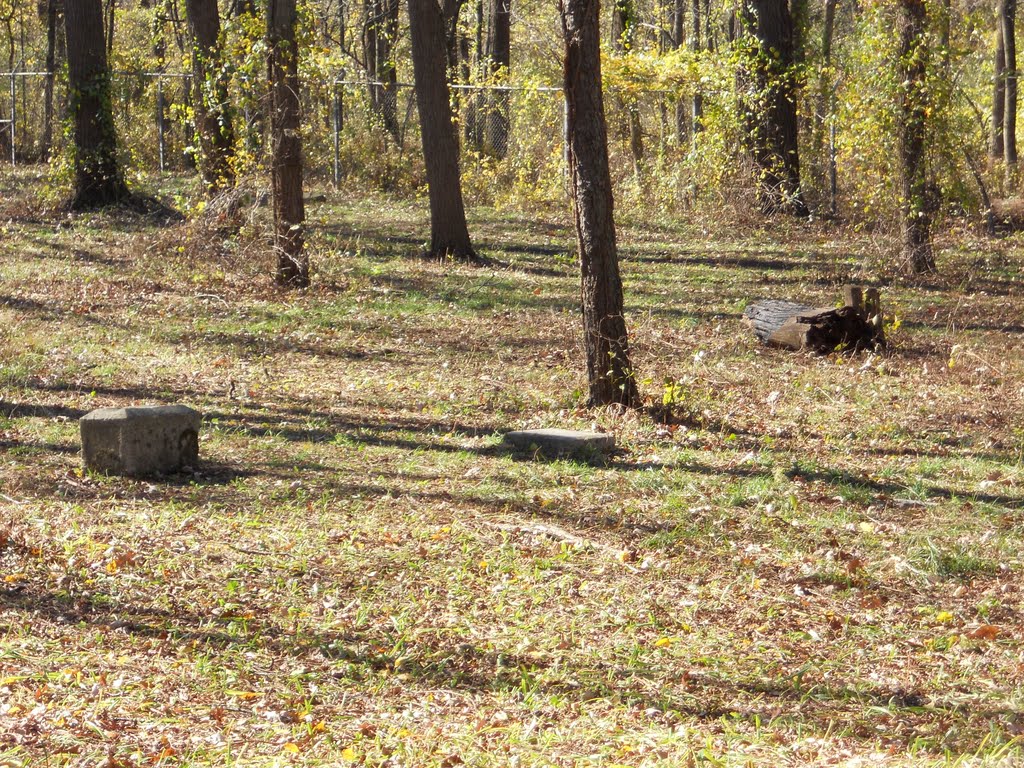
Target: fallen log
858	324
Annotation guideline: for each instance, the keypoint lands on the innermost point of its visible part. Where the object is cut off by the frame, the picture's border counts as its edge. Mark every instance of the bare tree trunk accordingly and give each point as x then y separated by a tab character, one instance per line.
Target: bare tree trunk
210	102
912	133
450	10
1007	16
609	370
254	119
289	206
824	97
698	98
622	24
623	33
772	128
99	179
500	60
678	41
111	4
51	68
474	113
945	34
379	34
998	92
710	41
449	234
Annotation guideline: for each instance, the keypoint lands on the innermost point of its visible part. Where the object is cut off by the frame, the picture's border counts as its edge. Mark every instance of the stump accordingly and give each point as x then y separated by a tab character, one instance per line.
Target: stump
858	324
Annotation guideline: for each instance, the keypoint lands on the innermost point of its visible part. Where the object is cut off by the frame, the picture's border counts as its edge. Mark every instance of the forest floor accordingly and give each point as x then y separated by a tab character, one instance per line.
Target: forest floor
819	561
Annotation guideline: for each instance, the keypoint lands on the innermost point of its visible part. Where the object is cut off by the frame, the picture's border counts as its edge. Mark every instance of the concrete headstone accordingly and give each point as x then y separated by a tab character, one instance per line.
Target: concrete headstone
556	443
142	440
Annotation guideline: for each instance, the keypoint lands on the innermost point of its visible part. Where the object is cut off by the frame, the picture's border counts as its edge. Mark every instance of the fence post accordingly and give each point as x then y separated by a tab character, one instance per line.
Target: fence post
14	118
337	133
160	127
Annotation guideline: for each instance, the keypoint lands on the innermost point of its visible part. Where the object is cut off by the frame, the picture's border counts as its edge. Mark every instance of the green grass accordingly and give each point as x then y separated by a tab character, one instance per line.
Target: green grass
820	563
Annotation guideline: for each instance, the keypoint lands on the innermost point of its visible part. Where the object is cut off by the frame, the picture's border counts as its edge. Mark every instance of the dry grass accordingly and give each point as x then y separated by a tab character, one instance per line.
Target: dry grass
819	563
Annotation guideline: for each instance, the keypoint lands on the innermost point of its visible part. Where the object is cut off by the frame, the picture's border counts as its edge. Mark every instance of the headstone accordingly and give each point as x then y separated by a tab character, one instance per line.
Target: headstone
140	441
557	443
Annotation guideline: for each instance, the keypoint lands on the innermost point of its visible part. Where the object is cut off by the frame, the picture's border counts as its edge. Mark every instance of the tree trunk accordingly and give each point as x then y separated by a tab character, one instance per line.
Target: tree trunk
622	25
98	177
1007	17
946	35
710	43
51	68
678	41
998	91
500	59
379	34
450	10
342	24
609	370
289	206
474	120
772	129
111	4
698	98
911	126
449	234
210	102
254	119
623	33
823	108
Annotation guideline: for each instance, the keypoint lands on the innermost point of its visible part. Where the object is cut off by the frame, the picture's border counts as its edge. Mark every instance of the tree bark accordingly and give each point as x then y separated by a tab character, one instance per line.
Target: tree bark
1007	18
609	371
911	25
998	91
772	129
289	206
210	100
99	179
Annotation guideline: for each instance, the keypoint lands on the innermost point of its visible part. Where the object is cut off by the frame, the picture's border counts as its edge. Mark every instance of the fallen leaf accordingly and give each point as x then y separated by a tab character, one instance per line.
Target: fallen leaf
984	632
245	695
